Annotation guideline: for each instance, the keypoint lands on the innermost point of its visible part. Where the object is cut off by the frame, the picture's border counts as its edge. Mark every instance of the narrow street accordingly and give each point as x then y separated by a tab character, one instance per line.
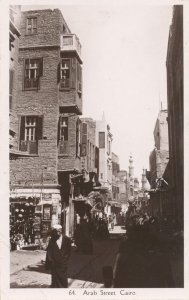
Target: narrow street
85	271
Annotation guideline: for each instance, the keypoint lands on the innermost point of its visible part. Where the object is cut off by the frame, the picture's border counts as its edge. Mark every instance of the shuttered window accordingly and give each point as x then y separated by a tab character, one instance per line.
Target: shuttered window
64	128
101	139
69	70
63	135
30	133
31	25
84	140
78	138
65	76
96	158
33	70
79	78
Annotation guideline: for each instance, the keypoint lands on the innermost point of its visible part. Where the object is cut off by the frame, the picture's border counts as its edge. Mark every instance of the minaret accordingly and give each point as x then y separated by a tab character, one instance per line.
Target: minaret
131	176
131	168
144	180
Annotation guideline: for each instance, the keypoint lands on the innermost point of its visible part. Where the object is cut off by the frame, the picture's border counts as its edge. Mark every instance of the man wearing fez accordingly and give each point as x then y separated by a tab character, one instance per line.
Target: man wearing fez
58	254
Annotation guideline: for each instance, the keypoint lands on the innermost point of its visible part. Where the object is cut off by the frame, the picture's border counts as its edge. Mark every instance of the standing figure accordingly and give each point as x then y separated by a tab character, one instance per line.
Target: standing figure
58	254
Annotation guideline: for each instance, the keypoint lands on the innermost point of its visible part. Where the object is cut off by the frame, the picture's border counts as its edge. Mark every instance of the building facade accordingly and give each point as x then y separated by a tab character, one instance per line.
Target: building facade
159	157
121	182
104	140
175	117
49	102
115	178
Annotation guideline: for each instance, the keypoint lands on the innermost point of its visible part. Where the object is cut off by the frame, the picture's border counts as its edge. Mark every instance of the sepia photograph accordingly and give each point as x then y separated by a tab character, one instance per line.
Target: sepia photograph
95	139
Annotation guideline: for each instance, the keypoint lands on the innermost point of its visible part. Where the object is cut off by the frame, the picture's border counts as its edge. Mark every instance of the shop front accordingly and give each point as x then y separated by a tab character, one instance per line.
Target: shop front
31	218
22	221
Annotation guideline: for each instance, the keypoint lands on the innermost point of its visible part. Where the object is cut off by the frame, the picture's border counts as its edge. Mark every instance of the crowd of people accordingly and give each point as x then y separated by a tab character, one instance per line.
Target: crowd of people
87	230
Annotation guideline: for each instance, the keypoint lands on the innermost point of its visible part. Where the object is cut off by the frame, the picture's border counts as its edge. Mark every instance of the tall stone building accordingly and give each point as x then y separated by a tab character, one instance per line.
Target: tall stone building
167	199
160	155
49	102
89	151
115	178
104	140
132	183
175	169
121	182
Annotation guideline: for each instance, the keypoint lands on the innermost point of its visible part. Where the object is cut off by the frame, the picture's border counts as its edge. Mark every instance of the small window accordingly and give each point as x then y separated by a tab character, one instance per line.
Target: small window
30	133
32	72
101	139
31	25
63	135
84	132
64	129
65	73
30	129
79	78
78	138
67	40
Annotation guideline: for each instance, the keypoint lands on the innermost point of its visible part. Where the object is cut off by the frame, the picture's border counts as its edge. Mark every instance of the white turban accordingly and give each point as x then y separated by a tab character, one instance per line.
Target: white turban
57	227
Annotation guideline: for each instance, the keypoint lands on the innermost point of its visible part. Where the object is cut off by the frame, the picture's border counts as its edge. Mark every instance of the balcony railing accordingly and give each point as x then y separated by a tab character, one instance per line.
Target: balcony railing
70	42
29	146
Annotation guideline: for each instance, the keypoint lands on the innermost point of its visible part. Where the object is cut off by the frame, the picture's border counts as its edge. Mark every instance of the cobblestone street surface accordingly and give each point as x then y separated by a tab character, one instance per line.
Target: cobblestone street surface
85	271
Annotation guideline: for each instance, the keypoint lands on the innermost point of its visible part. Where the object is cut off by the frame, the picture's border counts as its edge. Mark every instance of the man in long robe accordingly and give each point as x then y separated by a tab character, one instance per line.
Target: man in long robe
58	254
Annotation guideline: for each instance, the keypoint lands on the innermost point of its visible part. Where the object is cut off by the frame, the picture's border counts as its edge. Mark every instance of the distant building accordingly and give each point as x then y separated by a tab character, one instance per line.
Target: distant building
132	183
115	178
160	155
122	175
89	151
104	140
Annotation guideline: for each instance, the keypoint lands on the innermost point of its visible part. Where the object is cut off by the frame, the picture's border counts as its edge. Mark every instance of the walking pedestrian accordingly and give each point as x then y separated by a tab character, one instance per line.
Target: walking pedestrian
83	238
58	254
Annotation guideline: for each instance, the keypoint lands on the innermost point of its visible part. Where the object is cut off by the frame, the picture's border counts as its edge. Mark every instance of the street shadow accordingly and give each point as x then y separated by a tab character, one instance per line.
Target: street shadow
88	272
84	270
37	268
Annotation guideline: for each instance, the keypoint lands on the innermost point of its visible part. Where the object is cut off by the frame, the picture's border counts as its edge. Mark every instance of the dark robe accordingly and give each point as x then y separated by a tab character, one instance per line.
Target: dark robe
57	261
139	266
